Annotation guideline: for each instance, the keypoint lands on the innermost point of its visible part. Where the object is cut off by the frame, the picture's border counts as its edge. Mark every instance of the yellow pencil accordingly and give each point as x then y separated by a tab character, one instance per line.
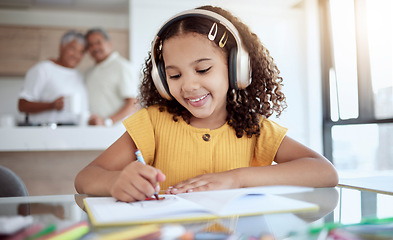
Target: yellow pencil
74	232
132	233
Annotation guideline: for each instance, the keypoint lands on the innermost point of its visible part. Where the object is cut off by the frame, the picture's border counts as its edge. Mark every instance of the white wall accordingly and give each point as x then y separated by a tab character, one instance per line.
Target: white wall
63	18
290	34
313	86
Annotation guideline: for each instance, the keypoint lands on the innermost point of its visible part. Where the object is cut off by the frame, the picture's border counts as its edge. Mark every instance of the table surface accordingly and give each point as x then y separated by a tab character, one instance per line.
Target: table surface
377	183
340	205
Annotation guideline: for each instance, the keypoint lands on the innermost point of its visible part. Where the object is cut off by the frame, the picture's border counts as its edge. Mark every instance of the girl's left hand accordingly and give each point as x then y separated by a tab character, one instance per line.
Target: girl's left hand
205	182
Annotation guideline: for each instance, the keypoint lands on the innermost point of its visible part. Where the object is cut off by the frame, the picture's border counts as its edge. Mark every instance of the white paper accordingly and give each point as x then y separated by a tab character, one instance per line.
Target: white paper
196	205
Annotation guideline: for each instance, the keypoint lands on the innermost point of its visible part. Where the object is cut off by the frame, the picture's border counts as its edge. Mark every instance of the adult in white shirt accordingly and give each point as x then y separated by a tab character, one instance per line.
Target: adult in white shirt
54	91
111	83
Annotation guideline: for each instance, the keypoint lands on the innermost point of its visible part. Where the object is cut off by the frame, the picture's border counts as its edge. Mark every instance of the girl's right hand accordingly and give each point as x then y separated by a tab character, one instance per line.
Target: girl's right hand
136	182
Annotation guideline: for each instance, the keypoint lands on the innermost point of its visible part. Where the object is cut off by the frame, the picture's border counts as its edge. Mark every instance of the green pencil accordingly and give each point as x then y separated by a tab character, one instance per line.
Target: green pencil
49	229
329	226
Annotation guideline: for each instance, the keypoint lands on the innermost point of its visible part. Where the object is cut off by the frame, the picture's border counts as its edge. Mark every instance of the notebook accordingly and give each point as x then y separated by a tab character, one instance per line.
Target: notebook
196	206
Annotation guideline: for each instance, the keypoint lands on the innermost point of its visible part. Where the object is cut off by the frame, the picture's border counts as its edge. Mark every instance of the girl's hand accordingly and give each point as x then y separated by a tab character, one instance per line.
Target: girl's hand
206	182
136	182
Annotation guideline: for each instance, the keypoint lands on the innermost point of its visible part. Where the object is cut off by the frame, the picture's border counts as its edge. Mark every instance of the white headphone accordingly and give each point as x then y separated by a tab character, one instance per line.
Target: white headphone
239	70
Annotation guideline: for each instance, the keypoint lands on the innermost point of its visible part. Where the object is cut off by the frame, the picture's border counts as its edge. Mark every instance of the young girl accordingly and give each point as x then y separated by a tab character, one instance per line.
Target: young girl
209	87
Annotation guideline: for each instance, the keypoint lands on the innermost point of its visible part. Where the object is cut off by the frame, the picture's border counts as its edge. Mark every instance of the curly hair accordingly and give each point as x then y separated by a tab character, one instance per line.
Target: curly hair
246	106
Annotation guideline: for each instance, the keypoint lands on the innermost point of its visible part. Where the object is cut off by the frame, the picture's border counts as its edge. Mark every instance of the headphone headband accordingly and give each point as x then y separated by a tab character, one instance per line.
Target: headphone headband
239	65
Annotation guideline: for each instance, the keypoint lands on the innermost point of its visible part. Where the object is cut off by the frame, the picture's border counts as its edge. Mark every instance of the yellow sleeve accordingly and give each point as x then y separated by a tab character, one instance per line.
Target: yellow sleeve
140	127
268	143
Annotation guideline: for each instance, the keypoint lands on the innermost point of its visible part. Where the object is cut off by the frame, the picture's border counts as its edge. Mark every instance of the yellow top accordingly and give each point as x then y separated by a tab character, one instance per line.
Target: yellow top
181	151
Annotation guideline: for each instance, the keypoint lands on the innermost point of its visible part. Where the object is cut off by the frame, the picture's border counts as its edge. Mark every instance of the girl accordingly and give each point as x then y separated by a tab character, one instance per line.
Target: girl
209	87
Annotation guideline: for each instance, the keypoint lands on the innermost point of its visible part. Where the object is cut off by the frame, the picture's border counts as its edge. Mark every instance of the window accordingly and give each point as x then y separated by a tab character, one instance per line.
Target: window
357	58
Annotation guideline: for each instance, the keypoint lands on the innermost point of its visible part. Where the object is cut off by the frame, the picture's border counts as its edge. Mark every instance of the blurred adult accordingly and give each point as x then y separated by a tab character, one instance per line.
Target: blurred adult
111	85
54	90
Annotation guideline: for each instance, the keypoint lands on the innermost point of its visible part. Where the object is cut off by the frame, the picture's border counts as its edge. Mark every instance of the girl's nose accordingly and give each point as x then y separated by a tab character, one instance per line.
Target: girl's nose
190	84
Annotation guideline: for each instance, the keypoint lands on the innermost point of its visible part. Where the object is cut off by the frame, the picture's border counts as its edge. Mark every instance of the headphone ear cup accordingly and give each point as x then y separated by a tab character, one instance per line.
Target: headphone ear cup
243	69
232	68
159	78
162	74
239	69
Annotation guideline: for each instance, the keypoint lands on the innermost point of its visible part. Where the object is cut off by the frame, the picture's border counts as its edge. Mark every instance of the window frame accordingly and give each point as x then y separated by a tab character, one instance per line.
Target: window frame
365	92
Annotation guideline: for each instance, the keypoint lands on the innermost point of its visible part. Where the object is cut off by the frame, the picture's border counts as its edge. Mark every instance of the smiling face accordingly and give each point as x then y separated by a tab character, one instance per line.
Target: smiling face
98	47
71	54
197	76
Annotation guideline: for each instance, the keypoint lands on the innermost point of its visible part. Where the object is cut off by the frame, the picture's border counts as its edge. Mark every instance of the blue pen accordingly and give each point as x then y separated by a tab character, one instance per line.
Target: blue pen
139	156
140	159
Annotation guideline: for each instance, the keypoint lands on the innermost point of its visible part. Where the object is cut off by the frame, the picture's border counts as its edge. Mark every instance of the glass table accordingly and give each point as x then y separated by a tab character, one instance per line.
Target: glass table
336	205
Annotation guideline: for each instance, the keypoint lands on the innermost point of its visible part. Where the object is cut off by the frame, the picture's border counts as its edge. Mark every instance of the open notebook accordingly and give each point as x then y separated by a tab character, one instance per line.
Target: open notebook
105	211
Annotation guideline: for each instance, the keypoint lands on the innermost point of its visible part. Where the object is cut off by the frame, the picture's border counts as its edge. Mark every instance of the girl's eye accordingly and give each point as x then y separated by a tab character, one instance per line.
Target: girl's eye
174	76
204	70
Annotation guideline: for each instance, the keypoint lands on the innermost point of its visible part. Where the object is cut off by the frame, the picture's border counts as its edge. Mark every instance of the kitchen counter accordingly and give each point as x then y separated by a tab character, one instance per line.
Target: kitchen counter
48	159
61	138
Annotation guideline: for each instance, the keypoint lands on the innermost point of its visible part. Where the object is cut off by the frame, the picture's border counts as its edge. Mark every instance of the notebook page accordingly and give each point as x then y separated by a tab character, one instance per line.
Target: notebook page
255	204
217	200
108	210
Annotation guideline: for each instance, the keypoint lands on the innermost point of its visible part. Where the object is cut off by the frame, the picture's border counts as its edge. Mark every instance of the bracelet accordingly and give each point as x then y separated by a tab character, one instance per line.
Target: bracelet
108	122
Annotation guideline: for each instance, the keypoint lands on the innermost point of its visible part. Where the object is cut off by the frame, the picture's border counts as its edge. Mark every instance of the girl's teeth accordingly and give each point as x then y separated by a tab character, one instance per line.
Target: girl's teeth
197	99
